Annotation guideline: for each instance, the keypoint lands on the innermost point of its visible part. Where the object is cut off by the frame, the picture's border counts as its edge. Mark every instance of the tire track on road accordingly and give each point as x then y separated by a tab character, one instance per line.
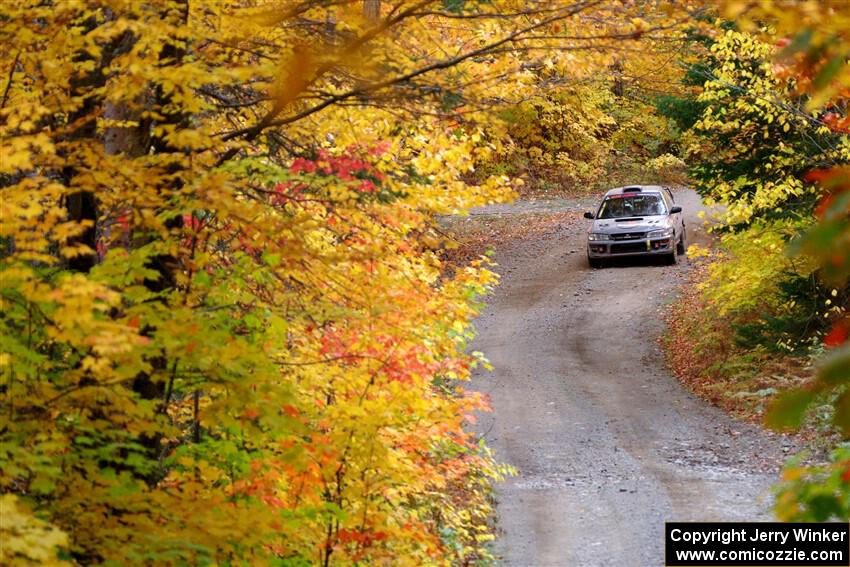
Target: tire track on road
607	444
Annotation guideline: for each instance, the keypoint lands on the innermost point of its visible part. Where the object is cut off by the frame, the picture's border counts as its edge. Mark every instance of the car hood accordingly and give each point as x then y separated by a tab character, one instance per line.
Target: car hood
628	225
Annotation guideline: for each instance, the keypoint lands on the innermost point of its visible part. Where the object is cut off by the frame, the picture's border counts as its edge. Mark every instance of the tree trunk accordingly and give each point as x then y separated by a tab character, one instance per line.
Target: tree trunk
372	10
619	86
166	266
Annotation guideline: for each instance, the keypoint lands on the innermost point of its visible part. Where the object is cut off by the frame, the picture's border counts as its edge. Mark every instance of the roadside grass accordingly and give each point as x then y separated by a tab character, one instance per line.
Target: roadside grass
471	237
704	356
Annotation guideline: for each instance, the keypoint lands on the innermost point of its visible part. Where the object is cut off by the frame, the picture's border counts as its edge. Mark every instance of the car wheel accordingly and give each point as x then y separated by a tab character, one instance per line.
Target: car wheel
681	246
595	262
671	259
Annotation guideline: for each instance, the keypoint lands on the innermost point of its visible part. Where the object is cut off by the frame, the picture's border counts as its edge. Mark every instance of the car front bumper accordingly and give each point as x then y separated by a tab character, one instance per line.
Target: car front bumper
618	248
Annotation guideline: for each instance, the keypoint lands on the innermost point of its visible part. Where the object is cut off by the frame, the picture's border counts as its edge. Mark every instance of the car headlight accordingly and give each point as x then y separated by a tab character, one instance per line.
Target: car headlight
663	233
597	236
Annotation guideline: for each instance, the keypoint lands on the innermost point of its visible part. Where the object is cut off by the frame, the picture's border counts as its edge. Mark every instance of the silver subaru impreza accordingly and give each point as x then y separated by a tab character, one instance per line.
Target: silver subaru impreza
636	220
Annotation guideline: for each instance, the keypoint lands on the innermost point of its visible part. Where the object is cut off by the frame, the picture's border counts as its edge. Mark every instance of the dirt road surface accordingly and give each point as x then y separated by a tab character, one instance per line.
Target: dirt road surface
608	446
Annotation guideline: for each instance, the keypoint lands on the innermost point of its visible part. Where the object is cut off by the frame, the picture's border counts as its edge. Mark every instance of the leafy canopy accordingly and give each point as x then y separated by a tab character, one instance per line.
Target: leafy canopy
227	332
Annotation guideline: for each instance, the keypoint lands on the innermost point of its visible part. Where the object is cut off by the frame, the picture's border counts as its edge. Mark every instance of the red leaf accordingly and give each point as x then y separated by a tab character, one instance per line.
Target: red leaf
838	334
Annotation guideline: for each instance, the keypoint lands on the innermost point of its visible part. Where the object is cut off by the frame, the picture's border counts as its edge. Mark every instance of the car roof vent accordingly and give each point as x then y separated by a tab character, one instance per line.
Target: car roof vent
631	189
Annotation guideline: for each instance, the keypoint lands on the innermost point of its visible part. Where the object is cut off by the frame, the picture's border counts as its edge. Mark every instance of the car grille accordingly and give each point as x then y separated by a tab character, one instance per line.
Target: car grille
629	247
628	236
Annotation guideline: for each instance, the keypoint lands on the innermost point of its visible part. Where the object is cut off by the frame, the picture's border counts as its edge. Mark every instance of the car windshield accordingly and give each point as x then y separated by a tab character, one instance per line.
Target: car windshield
631	205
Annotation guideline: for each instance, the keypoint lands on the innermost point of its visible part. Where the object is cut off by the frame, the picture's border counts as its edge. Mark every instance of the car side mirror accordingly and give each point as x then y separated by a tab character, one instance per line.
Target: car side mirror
675	209
590	215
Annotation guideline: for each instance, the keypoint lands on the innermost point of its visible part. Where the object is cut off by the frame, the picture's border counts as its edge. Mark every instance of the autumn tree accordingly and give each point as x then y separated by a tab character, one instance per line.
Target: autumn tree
811	42
227	335
759	139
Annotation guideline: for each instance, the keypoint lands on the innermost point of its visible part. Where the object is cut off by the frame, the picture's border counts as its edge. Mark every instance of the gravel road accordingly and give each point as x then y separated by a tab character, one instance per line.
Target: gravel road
607	444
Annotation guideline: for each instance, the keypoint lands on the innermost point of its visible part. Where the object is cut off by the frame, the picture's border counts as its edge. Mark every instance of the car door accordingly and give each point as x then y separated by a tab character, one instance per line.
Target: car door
677	219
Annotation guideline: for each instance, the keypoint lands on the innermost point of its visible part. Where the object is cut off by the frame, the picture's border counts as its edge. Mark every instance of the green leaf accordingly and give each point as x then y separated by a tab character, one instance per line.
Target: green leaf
842	413
271	259
824	507
42	485
836	369
829	71
455	6
788	409
202	278
800	42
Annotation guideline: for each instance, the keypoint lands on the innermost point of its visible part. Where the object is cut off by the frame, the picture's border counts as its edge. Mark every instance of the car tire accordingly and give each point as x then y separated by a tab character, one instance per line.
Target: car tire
595	263
671	259
681	246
